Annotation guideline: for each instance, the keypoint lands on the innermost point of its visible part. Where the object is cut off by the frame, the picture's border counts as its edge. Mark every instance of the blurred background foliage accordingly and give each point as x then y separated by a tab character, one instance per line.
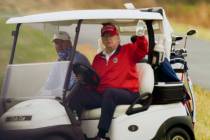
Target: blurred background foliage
193	12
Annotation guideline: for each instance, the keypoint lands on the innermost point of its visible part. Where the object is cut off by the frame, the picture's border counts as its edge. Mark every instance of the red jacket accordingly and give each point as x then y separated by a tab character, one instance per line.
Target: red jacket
120	70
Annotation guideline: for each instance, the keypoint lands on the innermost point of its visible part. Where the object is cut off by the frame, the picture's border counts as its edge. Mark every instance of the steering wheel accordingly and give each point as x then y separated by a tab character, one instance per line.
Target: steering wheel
86	74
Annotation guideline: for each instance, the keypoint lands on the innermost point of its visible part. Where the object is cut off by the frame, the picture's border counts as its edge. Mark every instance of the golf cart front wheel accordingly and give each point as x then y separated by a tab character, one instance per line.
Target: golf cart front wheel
178	134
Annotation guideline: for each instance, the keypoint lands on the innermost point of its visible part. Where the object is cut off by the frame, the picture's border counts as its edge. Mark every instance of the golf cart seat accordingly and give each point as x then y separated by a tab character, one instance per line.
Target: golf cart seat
169	92
146	85
168	88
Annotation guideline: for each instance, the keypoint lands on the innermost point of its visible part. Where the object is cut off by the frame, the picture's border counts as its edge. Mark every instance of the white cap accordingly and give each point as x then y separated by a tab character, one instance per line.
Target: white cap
61	35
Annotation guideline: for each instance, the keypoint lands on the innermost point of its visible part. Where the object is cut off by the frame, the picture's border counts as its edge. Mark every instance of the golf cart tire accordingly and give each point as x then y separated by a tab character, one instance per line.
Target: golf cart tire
182	122
177	133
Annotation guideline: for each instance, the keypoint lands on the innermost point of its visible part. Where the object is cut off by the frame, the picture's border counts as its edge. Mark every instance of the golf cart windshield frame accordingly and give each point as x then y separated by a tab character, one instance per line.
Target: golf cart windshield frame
68	74
15	34
151	38
70	67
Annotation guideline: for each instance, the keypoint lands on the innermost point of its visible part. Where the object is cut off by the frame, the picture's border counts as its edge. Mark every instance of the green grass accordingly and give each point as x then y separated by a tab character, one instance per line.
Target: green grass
5	46
202	126
32	46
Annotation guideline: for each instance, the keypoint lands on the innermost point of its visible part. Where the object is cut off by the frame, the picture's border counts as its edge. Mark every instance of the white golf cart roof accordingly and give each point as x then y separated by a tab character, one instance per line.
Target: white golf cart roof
64	17
120	17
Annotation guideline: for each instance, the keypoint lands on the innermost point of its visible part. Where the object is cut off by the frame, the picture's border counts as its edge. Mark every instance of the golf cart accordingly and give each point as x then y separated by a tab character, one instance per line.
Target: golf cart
29	115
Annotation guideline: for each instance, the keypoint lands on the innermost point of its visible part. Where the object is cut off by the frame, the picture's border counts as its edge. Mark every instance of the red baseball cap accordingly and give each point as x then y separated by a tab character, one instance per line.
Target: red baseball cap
109	28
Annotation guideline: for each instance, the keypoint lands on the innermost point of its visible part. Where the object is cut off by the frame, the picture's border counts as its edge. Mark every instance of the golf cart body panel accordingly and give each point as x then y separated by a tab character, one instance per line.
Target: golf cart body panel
154	116
49	112
40	113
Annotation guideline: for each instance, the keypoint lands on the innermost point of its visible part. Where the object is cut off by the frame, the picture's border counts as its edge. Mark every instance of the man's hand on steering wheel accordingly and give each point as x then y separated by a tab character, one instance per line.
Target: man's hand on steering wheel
86	74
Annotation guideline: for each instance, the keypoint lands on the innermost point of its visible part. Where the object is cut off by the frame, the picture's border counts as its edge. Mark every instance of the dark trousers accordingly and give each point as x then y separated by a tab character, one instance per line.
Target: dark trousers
108	100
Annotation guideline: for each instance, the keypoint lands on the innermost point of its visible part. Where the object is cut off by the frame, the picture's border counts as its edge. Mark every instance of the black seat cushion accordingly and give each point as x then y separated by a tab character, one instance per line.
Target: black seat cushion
169	93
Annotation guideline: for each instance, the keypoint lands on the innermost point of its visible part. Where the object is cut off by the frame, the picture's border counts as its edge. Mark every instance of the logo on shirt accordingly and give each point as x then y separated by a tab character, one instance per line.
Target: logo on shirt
115	60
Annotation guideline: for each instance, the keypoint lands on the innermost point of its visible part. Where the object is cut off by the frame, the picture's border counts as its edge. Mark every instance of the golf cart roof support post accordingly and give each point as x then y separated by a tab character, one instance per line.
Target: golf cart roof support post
68	77
151	39
15	34
70	66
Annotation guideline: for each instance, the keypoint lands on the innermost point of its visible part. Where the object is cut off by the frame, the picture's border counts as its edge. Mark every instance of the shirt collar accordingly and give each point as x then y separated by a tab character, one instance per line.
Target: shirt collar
108	54
116	51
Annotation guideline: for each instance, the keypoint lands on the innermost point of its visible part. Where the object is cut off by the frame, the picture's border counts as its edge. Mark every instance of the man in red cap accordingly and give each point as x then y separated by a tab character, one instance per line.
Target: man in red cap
115	66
